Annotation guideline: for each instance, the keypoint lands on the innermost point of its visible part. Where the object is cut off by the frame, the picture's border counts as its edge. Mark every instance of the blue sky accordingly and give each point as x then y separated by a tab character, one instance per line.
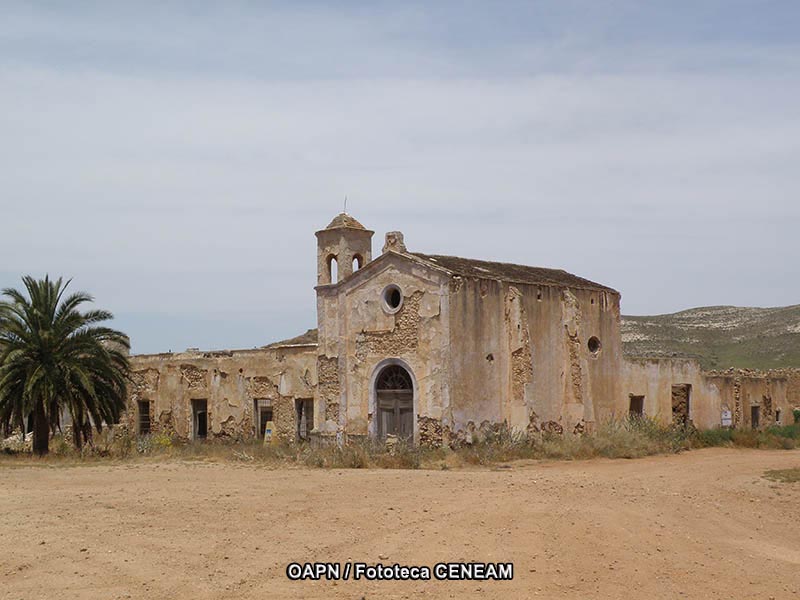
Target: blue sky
174	159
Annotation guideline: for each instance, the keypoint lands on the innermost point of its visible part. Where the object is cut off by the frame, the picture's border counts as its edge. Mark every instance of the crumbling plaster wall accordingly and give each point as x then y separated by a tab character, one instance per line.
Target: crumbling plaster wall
229	381
519	356
792	384
356	333
654	378
329	393
575	387
342	244
713	392
480	354
743	389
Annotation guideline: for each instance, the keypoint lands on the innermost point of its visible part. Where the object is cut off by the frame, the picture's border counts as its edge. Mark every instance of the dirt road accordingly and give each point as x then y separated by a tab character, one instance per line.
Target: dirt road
704	524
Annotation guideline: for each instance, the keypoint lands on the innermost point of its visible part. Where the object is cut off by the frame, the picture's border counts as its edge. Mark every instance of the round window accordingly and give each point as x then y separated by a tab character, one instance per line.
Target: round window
392	298
594	345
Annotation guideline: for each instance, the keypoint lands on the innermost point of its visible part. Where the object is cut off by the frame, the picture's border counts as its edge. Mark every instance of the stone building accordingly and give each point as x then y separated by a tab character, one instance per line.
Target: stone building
438	350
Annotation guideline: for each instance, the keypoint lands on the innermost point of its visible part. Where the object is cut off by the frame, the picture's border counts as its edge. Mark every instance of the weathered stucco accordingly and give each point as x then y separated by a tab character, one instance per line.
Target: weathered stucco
486	346
229	382
711	393
363	334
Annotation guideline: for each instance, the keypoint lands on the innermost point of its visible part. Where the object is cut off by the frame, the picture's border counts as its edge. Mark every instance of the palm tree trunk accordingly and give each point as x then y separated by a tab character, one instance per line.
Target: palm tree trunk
77	429
41	430
76	435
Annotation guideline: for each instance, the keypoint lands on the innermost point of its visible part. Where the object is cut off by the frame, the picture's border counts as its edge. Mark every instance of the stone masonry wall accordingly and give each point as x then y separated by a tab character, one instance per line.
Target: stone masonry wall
229	382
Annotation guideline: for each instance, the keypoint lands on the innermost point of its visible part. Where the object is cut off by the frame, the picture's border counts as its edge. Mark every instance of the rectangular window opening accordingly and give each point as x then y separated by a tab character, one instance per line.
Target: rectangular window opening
144	417
636	408
199	419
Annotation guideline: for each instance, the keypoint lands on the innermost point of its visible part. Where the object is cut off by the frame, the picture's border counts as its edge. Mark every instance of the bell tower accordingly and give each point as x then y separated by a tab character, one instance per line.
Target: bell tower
342	247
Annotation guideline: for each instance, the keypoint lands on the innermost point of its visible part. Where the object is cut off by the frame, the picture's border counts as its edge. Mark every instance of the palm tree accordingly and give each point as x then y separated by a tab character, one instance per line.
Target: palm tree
53	356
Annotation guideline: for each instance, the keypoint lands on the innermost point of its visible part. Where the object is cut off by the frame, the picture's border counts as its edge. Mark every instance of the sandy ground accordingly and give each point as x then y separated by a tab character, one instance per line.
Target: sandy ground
704	524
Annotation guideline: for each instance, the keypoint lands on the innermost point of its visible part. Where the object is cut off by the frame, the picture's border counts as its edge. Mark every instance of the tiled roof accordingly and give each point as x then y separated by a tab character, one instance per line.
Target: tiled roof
482	269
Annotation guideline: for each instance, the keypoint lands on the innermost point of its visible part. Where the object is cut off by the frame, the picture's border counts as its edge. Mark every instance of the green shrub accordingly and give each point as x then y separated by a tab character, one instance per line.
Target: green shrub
718	436
785	431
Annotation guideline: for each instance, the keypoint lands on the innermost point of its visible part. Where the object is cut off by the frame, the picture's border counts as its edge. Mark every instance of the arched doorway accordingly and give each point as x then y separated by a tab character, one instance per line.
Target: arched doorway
394	396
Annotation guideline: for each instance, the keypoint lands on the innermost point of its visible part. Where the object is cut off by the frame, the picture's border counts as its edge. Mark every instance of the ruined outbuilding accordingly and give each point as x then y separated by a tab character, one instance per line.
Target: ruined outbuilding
438	350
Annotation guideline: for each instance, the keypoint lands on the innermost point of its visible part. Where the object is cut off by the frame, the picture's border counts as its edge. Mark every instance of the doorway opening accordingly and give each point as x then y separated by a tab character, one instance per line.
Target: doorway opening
144	417
262	412
394	395
305	418
755	416
681	398
199	419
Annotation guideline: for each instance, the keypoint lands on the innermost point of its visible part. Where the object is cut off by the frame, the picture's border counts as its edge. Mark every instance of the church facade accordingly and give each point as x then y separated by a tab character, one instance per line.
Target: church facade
437	350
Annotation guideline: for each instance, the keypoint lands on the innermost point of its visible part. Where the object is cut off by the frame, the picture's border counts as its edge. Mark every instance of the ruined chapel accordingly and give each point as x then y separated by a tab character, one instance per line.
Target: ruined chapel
438	350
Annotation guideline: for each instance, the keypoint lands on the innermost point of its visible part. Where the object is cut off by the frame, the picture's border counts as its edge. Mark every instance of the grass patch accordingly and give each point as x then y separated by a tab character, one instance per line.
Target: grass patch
786	431
629	438
784	475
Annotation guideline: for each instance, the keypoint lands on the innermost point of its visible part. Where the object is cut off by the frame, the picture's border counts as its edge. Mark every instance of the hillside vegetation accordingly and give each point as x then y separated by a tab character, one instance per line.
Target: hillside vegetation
719	336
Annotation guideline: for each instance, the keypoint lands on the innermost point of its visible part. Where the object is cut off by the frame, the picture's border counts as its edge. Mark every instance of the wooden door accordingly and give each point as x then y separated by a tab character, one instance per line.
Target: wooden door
396	413
394	393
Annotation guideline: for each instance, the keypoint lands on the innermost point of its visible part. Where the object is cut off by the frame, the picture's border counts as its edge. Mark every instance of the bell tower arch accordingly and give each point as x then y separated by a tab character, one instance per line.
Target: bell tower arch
344	245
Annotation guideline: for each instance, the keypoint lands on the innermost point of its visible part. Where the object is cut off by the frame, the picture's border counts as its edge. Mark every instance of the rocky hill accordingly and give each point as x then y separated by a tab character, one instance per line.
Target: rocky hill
719	336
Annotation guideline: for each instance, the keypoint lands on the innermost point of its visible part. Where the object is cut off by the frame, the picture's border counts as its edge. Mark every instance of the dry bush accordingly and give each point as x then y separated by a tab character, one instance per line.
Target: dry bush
629	438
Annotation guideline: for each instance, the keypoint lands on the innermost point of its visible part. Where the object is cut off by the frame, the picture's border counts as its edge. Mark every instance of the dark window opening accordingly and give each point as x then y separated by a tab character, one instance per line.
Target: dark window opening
358	262
777	415
144	417
262	412
594	345
755	415
392	298
199	419
636	408
305	418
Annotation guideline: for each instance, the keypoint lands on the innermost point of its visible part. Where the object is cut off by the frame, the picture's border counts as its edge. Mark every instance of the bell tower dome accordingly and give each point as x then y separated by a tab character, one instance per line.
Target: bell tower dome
345	245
